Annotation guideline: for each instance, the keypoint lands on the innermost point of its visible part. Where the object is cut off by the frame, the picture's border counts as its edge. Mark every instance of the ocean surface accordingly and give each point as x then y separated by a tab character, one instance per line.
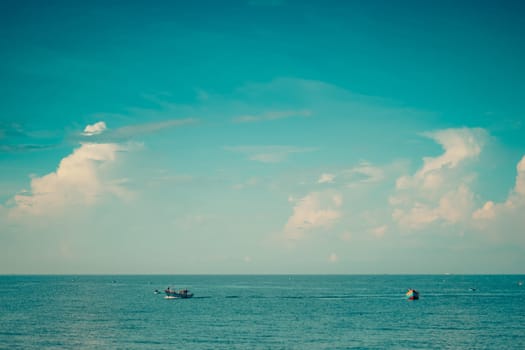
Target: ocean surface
262	312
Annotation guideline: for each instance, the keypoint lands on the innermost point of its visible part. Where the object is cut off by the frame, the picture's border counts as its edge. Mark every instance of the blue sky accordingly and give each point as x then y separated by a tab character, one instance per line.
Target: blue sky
257	136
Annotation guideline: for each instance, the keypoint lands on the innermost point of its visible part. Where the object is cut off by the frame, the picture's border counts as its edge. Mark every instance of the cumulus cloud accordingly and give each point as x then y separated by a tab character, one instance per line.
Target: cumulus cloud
78	180
514	204
81	179
317	210
458	144
452	207
439	191
488	211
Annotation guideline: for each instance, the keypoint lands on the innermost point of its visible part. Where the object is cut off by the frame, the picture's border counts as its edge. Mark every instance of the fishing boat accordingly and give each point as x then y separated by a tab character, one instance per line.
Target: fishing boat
177	294
412	294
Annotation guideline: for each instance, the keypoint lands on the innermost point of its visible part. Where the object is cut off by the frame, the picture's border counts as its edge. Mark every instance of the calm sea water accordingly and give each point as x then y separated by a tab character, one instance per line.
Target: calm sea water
262	312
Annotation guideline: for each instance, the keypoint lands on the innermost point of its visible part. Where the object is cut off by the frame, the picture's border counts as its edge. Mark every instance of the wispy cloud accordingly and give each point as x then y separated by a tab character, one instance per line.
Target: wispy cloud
99	132
15	138
16	148
273	115
326	178
268	154
363	173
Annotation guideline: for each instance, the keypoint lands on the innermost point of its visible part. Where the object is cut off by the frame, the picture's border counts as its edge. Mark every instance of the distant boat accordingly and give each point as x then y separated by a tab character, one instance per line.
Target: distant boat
412	294
177	294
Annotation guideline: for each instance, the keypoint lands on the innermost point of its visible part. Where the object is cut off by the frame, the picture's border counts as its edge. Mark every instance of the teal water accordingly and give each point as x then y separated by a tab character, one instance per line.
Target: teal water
262	312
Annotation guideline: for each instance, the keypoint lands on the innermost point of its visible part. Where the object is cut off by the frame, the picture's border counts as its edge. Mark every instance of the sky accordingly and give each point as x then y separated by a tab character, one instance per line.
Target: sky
262	137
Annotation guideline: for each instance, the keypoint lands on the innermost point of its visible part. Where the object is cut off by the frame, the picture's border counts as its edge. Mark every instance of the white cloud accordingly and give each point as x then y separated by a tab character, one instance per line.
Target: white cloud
268	154
126	132
326	178
456	205
79	180
94	129
379	231
147	128
514	205
317	210
488	211
363	173
458	144
439	191
333	258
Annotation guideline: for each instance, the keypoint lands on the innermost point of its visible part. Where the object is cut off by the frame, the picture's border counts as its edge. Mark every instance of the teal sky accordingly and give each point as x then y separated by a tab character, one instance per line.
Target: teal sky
262	136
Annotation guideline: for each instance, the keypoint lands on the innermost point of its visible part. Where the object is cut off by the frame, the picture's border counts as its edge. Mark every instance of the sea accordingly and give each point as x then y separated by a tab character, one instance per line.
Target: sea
263	312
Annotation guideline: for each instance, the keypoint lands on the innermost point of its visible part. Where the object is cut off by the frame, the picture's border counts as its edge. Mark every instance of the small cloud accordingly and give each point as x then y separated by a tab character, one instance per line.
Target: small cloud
333	258
363	173
379	231
326	178
247	259
94	129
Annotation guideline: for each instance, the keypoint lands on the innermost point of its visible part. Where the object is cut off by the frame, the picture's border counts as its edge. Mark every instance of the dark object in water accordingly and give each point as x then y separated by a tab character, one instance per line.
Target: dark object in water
177	294
412	294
